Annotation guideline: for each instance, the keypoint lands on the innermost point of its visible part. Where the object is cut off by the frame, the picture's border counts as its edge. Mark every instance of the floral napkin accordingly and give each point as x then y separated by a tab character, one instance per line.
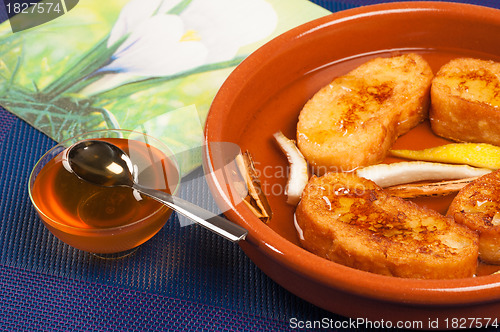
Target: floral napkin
147	65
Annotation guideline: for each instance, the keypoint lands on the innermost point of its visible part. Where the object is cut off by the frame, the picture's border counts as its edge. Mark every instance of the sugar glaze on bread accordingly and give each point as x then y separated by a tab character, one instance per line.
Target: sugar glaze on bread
354	120
477	206
352	221
465	97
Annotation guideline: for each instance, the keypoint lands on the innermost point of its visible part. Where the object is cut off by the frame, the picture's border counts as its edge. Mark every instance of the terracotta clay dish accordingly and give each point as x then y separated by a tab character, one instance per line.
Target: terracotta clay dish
266	93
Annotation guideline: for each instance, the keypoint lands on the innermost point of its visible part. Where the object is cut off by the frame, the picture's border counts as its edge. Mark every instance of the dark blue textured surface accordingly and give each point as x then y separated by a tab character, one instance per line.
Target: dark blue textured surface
44	302
185	278
335	5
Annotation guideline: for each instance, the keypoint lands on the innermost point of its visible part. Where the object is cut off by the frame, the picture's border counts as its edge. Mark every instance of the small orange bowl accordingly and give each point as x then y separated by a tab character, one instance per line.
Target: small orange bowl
266	93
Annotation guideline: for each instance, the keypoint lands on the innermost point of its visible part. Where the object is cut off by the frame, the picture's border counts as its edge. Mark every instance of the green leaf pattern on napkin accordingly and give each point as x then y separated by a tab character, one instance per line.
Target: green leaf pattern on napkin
151	66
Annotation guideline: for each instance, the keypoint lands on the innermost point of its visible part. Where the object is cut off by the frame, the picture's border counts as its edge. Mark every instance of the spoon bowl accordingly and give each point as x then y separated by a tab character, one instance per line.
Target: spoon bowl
100	163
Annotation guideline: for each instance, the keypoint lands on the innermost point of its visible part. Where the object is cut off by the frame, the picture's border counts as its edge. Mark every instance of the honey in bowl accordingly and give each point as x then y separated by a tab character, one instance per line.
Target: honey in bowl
104	219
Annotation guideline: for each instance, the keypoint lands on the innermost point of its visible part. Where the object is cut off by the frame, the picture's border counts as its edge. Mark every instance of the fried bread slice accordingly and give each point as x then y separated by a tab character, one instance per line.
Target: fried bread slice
354	120
352	221
465	97
477	206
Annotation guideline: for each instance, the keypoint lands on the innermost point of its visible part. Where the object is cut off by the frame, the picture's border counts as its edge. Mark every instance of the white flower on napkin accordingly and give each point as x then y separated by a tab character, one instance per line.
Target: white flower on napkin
162	43
157	48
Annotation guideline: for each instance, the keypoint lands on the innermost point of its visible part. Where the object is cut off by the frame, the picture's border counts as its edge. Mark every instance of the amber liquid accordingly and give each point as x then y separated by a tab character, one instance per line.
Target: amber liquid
99	219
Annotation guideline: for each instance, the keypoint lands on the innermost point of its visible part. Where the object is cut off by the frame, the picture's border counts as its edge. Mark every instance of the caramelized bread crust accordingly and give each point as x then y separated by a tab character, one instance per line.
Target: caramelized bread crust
352	221
465	97
477	206
354	120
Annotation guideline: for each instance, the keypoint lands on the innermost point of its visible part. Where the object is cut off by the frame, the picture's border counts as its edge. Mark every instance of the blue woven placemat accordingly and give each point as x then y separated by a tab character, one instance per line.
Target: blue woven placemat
335	5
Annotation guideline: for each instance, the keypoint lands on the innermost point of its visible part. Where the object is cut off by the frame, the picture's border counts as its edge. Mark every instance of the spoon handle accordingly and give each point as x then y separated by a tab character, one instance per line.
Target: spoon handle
205	218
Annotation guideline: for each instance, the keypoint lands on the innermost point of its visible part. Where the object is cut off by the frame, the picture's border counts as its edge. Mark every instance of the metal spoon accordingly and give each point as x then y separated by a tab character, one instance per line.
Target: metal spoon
105	164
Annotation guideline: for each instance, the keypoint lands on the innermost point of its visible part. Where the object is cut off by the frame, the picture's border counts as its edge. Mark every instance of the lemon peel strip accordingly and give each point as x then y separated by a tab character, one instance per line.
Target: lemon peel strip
474	154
